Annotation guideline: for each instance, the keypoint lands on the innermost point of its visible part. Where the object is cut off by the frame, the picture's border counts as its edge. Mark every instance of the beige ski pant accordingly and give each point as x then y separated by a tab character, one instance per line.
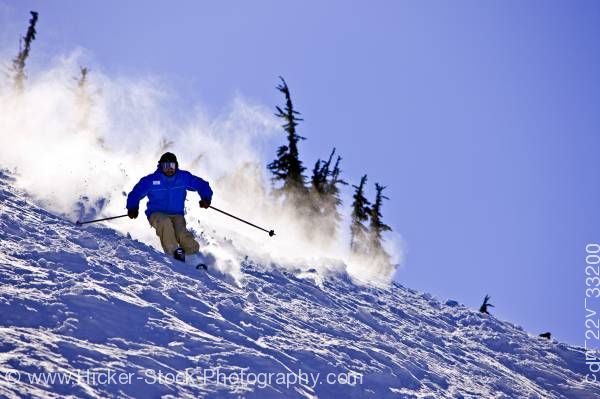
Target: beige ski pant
173	233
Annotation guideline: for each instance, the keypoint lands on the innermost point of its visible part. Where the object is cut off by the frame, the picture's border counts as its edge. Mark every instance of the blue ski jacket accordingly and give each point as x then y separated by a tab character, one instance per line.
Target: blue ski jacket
167	194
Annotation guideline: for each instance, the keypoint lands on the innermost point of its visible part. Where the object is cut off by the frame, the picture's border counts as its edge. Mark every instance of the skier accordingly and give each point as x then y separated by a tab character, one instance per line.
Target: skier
166	189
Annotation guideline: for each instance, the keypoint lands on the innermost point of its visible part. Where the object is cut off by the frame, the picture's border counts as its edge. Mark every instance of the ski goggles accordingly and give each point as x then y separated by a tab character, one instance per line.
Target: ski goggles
168	165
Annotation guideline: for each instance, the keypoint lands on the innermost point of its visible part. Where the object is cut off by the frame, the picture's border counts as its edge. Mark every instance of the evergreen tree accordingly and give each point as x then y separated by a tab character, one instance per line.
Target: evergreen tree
288	168
377	227
85	102
360	214
82	80
317	177
19	61
334	191
325	194
82	93
485	305
320	174
333	200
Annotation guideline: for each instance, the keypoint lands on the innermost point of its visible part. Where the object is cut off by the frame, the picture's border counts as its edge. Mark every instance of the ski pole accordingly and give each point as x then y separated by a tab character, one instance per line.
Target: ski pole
78	223
271	232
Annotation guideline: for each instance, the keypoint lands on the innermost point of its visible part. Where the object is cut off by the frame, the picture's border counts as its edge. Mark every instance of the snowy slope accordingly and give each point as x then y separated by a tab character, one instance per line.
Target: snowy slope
106	316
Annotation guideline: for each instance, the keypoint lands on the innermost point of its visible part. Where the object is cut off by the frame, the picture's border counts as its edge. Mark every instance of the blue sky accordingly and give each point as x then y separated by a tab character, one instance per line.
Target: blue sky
480	117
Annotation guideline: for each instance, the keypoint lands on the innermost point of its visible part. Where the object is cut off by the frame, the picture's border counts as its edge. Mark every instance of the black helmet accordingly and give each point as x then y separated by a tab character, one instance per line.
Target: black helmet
168	157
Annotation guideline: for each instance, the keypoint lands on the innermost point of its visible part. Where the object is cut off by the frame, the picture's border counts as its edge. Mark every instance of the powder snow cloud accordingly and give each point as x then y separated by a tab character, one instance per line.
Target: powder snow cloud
79	150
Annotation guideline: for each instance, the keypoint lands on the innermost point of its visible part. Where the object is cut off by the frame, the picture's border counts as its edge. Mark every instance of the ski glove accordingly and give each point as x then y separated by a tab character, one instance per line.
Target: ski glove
132	213
204	204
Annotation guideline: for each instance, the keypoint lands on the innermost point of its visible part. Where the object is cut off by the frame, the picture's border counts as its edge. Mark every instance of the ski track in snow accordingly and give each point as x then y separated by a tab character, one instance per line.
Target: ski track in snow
88	298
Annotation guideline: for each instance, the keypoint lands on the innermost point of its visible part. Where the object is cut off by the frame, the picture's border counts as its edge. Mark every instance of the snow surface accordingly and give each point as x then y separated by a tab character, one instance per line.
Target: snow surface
93	305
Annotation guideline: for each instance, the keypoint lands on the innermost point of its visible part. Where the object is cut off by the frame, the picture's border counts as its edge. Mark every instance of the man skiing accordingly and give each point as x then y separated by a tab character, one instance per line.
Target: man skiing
166	189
